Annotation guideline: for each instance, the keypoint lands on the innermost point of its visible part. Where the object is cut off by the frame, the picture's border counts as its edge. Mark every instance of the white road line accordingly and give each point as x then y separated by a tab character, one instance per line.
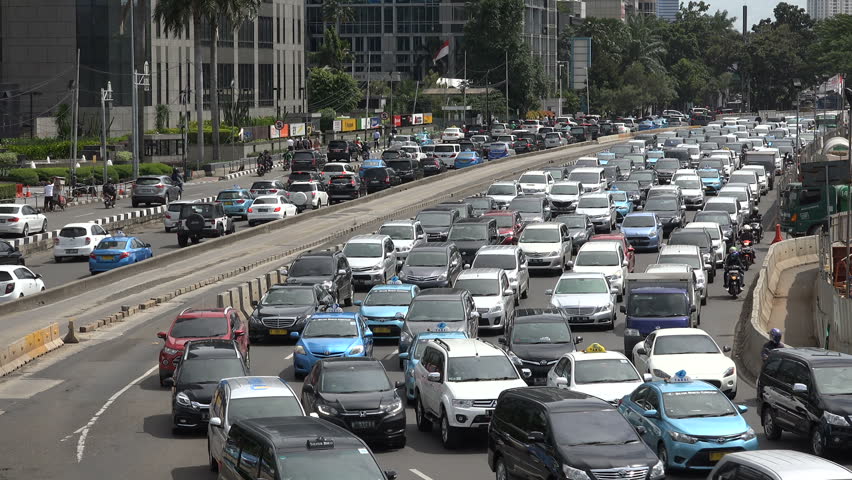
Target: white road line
84	215
388	356
419	474
84	430
288	357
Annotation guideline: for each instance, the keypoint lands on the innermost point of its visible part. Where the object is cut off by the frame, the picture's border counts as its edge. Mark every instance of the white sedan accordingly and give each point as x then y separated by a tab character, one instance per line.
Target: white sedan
77	240
595	371
18	281
669	350
21	219
452	134
267	208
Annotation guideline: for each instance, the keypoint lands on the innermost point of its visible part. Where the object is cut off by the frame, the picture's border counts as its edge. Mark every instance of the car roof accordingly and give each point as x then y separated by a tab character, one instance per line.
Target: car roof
581	275
588	170
597	194
388	287
819	356
433	246
431	293
604	246
468	347
407	223
292	433
474	220
318	253
541	225
667	332
498	250
340	362
679	249
202	313
697	225
580	355
486	273
211	348
560	400
257	386
424	336
671	267
790	464
691	386
368	238
330	315
543	313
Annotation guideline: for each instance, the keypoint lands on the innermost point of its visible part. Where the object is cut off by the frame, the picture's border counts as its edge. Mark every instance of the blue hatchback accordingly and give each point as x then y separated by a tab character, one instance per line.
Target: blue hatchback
370	163
412	357
623	204
655	155
690	423
605	157
328	335
385	306
467	159
235	201
711	179
643	230
114	252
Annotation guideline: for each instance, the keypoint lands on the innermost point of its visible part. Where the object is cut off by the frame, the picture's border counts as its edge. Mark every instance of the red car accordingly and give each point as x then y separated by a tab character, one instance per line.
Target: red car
629	251
509	225
192	324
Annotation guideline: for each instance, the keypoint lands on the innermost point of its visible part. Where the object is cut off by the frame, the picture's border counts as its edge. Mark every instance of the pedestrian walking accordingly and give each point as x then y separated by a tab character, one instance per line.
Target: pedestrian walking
48	196
376	136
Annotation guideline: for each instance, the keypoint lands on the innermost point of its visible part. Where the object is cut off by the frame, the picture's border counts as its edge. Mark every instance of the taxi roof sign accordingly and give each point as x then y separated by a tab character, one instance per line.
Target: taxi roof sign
595	348
320	443
679	377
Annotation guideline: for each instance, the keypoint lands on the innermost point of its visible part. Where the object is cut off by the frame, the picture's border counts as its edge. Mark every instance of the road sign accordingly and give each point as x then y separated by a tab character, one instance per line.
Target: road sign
279	125
385	115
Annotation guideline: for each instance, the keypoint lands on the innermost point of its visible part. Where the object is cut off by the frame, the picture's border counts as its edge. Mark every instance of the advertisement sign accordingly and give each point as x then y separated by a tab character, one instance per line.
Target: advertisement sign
349	124
274	132
418	119
375	122
427	118
337	126
297	129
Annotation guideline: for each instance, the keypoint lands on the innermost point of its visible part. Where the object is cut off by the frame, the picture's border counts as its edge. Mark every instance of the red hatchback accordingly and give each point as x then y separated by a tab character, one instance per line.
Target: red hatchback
629	251
192	324
509	225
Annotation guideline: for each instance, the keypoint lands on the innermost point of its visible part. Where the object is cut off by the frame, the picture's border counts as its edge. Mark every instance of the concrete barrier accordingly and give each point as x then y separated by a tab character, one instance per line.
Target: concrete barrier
29	347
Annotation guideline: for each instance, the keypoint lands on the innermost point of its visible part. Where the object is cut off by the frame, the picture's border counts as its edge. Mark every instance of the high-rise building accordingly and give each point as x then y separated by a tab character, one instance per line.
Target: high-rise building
647	7
667	9
619	9
822	9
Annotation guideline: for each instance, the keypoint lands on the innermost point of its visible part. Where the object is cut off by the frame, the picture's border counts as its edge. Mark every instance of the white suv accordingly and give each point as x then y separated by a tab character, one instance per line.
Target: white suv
512	260
372	258
456	385
493	296
405	234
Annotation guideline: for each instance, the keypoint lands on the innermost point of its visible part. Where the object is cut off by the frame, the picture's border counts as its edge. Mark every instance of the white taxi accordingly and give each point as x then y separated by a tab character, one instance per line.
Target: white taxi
595	371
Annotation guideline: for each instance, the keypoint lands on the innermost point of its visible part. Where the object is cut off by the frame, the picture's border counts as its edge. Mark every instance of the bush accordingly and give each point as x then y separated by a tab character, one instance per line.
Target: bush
46	174
25	176
155	169
8	191
123	156
85	175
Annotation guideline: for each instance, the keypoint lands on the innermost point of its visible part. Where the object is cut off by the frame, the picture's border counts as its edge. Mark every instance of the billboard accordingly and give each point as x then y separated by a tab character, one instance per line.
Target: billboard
337	126
349	124
581	61
297	129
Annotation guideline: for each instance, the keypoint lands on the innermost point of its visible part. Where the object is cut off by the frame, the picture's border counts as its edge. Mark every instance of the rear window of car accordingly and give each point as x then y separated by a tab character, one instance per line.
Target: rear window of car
148	181
9	209
337	144
375	172
303	157
204	210
265	201
229	195
72	232
112	245
5	277
261	185
303	187
400	165
300	176
343	179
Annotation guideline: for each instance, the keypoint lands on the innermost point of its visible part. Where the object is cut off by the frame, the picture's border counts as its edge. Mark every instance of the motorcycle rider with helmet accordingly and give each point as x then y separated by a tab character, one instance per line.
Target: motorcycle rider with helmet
733	261
773	343
747	234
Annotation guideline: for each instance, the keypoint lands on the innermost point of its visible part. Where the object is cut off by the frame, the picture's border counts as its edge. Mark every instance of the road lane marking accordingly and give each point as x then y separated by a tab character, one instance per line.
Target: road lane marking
288	357
390	355
419	474
84	215
84	430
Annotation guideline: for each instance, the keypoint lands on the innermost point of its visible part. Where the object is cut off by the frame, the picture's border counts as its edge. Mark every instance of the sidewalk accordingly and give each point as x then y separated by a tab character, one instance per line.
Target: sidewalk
793	312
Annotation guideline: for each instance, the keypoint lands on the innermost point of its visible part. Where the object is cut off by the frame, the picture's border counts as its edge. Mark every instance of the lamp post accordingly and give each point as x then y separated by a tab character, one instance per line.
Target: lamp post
588	98
797	84
559	67
32	119
106	96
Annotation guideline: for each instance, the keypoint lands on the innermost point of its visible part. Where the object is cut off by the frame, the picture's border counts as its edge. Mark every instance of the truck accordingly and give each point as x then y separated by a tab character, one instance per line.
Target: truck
769	159
658	300
823	190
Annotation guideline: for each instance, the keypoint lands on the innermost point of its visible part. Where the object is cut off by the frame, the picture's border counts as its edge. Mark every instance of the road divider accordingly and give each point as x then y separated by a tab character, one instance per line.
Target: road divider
30	347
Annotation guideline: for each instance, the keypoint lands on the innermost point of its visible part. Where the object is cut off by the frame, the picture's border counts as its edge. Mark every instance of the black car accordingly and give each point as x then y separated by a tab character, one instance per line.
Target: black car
381	178
432	166
394	153
525	144
308	160
467	145
579	132
612	173
580	227
303	176
808	392
437	222
481	204
646	179
432	265
681	154
669	210
525	344
606	128
471	234
356	394
340	151
533	208
408	169
285	308
547	432
10	255
665	168
465	210
203	364
279	448
327	268
345	187
267	187
558	173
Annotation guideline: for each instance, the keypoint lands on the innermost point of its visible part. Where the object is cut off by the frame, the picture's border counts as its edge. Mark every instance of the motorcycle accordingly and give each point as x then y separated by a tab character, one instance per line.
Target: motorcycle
109	201
735	281
748	252
262	170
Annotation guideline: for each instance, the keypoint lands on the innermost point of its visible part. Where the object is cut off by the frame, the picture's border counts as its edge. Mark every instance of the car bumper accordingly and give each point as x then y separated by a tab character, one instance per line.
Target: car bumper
343	194
381	428
236	210
168	365
836	436
470	417
428	283
16	227
694	201
597	318
385	329
73	252
265	217
107	266
703	455
304	363
600	222
544	263
640	243
492	320
257	329
148	199
190	418
374	277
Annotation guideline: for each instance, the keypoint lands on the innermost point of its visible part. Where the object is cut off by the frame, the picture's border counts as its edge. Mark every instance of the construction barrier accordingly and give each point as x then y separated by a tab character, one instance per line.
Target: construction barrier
29	348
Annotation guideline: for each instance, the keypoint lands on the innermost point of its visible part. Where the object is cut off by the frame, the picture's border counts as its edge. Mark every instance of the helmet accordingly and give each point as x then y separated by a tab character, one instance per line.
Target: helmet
746	228
775	334
732	250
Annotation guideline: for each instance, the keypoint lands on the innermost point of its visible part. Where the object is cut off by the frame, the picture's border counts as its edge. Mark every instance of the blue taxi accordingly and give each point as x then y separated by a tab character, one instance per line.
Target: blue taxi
622	202
711	179
411	358
236	201
605	157
691	424
467	159
331	334
370	163
385	306
653	156
118	251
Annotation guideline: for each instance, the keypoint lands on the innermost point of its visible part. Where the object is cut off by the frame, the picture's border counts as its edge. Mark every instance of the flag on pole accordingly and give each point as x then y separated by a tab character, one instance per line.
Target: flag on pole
442	52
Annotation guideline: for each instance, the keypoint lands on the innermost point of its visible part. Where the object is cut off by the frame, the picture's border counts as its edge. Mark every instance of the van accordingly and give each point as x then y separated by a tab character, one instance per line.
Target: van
592	178
762	177
729	205
447	152
750	178
372	259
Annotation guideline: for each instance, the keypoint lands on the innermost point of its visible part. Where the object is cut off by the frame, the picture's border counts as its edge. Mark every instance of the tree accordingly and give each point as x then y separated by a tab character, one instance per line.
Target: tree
337	12
642	44
162	118
334	51
690	78
833	44
333	89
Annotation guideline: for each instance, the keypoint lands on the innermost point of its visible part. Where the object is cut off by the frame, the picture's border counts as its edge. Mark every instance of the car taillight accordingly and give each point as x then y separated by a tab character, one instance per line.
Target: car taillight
250	210
287	193
387	179
314	194
352	181
160	187
274	190
168	215
124	255
211	221
277	209
93	256
12	220
253	191
10	287
88	240
56	241
241	201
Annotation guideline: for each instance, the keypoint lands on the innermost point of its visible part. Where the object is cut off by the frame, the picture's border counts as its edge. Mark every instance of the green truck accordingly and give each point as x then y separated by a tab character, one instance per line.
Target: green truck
822	191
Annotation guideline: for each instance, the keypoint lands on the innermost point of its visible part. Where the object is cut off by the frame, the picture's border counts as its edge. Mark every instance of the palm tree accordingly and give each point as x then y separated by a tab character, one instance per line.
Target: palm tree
334	52
642	45
337	12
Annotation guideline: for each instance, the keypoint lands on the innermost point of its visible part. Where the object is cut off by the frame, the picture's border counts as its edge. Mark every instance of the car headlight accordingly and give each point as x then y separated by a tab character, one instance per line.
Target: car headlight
404	248
376	266
659	471
393	407
356	350
729	372
442	276
170	351
514	358
326	409
660	374
327	284
603	308
299	350
652	234
463	403
301	318
496	308
553	253
682	437
748	434
833	419
572	473
183	400
405	337
706	257
402	275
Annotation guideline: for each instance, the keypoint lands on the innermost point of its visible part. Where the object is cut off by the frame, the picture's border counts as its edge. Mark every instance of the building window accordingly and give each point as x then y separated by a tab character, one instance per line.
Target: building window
264	74
301	33
168	84
246	73
359	44
374	44
264	32
159	85
278	30
403	59
403	44
247	35
226	33
225	75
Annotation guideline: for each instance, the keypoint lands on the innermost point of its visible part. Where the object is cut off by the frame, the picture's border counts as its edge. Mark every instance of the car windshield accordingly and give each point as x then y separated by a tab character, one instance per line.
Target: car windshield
363	250
708	174
302	187
289	296
112	245
557	174
639	221
541	333
657	305
397	232
498	147
400	165
834	380
388	298
692	260
621	149
199	327
435	219
573	286
479	287
593	202
605	370
586	178
504	221
696	404
263	407
502	190
358	464
445	148
73	232
206	211
540	235
331	327
689	183
642	176
435	311
480	369
209	370
505	262
531	178
352	379
657	204
479	203
668	164
229	196
600	427
312	267
695	237
727	207
572	221
468	233
743	178
713	217
591	258
148	181
618	196
712	231
527	205
430	258
570	189
684	345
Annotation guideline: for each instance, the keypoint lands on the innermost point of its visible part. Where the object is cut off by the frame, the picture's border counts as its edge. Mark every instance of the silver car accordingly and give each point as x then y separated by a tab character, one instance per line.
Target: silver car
405	234
154	189
512	260
492	295
585	298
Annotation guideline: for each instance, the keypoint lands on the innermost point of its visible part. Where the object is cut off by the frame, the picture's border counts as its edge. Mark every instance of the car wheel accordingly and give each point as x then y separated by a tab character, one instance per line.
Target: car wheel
26	230
818	447
195	240
251	223
183	240
663	454
220	231
770	427
168	229
500	472
44	226
214	465
449	435
423	423
704	301
134	203
57	259
526	292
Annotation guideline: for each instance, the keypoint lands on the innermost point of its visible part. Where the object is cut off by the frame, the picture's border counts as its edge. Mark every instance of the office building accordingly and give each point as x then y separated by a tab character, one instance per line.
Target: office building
822	9
647	7
619	9
667	9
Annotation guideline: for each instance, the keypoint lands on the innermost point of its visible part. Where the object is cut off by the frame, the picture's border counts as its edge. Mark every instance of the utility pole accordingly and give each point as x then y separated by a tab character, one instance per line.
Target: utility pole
134	94
588	98
106	97
487	103
74	123
507	86
416	91
844	93
559	66
185	97
367	105
464	91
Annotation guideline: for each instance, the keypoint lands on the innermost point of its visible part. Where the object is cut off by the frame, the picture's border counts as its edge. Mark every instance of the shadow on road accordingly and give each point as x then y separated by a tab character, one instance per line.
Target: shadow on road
160	426
192	473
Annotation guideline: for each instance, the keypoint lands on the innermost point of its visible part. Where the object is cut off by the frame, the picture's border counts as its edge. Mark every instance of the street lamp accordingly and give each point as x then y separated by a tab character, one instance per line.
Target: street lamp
559	67
797	84
588	98
32	119
106	96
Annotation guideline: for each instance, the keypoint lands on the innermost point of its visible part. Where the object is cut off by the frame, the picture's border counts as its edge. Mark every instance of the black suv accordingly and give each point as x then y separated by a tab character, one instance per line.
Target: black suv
470	234
203	220
408	169
327	268
340	150
381	178
523	341
808	392
356	394
203	364
345	187
277	448
285	308
465	210
308	160
541	432
437	222
432	265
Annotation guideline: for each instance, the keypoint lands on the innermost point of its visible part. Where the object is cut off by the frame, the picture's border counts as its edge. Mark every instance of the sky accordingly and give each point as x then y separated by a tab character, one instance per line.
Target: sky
757	9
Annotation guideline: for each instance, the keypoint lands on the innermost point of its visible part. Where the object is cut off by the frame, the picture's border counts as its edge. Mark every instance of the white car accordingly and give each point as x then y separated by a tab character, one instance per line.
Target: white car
536	181
452	134
762	179
493	296
498	129
171	217
337	168
600	209
267	208
307	195
21	219
595	371
512	260
414	151
405	235
692	190
504	192
18	281
585	298
456	385
371	258
77	240
666	351
564	196
548	246
603	257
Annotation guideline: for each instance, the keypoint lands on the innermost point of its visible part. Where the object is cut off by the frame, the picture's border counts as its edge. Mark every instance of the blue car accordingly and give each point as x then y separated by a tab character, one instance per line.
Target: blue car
412	357
605	157
646	125
467	159
689	423
370	163
653	156
114	252
643	230
236	201
385	306
327	335
712	180
498	150
623	204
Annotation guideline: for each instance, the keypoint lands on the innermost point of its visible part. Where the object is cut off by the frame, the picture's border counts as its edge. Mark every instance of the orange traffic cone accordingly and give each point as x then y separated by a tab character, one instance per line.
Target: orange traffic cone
778	237
28	192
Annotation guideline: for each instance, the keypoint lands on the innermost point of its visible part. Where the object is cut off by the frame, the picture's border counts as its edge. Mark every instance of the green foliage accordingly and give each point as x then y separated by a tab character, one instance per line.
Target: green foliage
330	88
334	51
35	176
327	116
63	121
123	156
24	176
41	148
8	191
162	118
833	44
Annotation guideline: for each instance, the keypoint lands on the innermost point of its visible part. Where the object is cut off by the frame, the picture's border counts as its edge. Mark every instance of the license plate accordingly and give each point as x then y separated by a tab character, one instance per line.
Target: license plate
362	424
107	257
72	250
381	330
2	220
205	416
229	203
262	210
539	381
716	456
278	331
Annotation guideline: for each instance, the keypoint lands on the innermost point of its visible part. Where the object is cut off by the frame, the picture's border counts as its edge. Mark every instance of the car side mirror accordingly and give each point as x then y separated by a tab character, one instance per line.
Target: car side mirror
548	292
526	373
239	333
641	351
162	335
561	382
403	356
647	377
535	437
578	340
342	271
357	303
683	207
625	263
466	266
294	334
399	316
693	309
800	388
570	263
215	422
640	430
454	263
726	349
307	388
651	414
169	382
254	303
284	271
398	384
434	377
742	408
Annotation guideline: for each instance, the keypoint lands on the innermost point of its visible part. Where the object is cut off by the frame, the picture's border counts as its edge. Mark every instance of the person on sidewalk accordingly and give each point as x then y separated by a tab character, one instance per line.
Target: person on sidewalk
48	197
773	343
376	136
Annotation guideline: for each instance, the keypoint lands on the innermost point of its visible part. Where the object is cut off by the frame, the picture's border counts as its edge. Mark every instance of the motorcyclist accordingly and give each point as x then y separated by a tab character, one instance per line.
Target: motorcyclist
267	159
177	179
773	343
733	261
109	190
747	234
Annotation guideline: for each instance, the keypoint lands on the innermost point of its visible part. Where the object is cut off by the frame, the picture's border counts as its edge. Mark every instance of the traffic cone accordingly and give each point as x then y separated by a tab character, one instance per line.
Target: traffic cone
778	237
